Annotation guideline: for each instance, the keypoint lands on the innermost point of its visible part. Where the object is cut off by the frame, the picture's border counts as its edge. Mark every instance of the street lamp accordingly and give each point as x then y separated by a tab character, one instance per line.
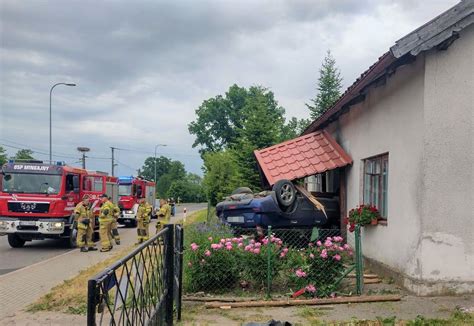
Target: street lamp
155	159
50	121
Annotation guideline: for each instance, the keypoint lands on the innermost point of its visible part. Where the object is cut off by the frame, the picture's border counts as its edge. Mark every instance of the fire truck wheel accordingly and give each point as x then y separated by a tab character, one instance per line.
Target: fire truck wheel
72	239
15	241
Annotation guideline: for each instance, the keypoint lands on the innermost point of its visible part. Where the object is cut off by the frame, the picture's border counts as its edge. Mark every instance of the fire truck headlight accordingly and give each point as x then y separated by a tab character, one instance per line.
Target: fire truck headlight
128	212
3	225
55	226
58	224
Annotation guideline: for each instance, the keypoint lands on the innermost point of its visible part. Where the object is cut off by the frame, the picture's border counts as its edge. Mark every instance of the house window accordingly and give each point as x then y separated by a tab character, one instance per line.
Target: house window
376	182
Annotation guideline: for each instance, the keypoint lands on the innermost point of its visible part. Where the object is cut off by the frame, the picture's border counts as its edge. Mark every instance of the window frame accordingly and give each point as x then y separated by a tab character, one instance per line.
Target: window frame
376	180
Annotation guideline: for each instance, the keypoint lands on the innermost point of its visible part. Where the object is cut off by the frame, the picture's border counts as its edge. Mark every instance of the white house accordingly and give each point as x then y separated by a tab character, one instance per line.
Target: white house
407	124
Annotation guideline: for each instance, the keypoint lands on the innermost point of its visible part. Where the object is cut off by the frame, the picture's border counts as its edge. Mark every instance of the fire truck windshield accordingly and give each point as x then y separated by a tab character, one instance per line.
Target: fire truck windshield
31	183
125	190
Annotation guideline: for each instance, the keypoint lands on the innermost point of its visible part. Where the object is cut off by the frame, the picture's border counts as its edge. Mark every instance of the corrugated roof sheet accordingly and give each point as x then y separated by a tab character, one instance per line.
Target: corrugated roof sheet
306	155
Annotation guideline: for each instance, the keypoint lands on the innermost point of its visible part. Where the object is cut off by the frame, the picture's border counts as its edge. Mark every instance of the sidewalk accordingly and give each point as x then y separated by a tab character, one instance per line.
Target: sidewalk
24	286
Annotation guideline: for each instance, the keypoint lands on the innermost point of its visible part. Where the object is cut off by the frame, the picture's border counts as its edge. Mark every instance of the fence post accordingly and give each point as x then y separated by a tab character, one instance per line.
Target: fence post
359	261
169	273
91	302
180	272
269	262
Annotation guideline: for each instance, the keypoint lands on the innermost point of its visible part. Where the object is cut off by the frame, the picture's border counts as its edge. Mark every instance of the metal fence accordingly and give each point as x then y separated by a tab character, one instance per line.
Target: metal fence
141	288
311	262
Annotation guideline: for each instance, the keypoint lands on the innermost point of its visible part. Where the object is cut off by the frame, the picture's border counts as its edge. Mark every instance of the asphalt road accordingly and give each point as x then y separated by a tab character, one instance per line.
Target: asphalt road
36	251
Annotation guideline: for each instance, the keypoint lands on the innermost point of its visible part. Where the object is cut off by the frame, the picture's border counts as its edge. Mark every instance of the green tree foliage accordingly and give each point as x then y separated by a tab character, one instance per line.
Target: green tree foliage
163	165
222	175
219	120
329	87
24	154
236	125
188	190
3	156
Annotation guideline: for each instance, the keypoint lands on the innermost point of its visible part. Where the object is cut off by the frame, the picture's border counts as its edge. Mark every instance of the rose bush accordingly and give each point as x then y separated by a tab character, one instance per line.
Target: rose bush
217	264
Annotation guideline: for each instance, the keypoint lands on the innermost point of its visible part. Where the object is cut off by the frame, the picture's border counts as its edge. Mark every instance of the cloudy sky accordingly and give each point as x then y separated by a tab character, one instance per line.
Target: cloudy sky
143	67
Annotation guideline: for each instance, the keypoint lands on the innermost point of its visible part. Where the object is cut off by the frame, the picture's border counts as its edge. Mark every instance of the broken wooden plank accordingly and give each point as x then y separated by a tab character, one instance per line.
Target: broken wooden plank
217	299
310	302
352	275
311	198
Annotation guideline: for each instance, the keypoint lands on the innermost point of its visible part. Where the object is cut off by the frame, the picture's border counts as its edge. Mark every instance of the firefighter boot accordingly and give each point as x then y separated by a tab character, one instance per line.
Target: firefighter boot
84	249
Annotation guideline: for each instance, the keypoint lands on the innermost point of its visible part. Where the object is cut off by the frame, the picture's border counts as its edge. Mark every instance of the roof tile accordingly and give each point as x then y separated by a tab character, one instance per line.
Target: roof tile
306	155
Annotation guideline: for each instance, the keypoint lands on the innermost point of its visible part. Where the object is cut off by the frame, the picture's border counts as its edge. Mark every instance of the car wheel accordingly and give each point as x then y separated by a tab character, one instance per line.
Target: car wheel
242	190
15	241
285	193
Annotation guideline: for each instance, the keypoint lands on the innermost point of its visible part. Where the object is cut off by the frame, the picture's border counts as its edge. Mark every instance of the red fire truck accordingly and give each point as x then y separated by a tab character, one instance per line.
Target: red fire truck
131	189
37	200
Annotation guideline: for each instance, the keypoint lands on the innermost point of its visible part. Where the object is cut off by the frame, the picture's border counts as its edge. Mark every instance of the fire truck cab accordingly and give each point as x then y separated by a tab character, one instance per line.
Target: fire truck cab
131	189
37	200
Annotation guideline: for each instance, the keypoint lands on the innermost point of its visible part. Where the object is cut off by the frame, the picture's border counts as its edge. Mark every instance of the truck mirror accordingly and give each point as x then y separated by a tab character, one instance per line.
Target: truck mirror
139	192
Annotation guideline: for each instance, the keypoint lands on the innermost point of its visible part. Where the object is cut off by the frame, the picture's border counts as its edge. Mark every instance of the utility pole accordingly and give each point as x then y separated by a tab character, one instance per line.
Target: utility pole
83	150
113	160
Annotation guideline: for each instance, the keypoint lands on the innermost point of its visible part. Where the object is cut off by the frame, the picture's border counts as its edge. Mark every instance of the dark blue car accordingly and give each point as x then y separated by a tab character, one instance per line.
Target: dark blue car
283	207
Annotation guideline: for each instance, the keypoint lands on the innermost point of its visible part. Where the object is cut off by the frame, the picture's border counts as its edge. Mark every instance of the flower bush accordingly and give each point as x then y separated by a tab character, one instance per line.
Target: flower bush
219	263
361	215
317	268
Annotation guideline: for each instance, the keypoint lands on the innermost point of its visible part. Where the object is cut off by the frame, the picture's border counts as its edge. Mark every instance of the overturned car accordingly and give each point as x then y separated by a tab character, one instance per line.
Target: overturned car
282	207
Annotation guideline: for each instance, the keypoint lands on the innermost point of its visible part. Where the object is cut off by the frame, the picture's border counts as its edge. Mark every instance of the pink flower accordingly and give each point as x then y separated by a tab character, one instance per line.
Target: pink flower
324	254
265	241
222	241
235	240
327	243
300	273
258	245
194	246
220	246
252	241
228	247
310	244
256	251
190	264
248	247
311	256
210	238
328	239
214	246
337	257
310	288
282	254
347	247
338	239
318	243
228	240
279	242
240	244
285	250
228	243
207	253
340	248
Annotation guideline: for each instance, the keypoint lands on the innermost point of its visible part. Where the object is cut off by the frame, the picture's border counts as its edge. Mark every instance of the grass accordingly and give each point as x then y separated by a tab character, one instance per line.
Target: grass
71	296
198	216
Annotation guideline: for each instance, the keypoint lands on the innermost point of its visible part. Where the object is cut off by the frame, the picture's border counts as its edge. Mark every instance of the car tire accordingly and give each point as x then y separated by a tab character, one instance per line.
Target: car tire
15	241
285	193
242	190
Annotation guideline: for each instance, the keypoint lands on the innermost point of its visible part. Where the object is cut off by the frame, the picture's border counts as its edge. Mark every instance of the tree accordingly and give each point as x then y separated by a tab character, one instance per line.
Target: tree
219	120
294	128
163	165
221	176
24	154
329	87
3	156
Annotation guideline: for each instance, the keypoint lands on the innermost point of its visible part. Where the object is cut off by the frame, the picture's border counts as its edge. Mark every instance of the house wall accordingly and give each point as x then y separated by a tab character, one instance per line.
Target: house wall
423	118
446	250
389	121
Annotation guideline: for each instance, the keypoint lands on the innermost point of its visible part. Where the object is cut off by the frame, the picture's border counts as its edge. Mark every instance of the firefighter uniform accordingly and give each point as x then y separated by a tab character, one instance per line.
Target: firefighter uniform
106	218
85	227
114	224
143	221
164	216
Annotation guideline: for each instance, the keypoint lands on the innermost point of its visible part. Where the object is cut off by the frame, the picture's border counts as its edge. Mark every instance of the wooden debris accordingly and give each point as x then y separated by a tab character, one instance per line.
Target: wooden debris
352	275
217	299
330	301
311	198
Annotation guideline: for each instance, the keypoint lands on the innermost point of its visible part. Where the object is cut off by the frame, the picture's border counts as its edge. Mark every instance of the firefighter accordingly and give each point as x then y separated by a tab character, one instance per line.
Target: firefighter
143	220
164	215
106	218
85	225
114	225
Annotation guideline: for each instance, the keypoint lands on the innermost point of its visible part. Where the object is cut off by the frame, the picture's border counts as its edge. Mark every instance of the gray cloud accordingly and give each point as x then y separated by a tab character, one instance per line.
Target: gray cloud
144	67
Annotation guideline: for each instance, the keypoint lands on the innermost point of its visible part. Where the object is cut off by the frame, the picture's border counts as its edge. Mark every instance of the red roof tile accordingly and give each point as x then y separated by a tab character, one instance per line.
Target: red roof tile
306	155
